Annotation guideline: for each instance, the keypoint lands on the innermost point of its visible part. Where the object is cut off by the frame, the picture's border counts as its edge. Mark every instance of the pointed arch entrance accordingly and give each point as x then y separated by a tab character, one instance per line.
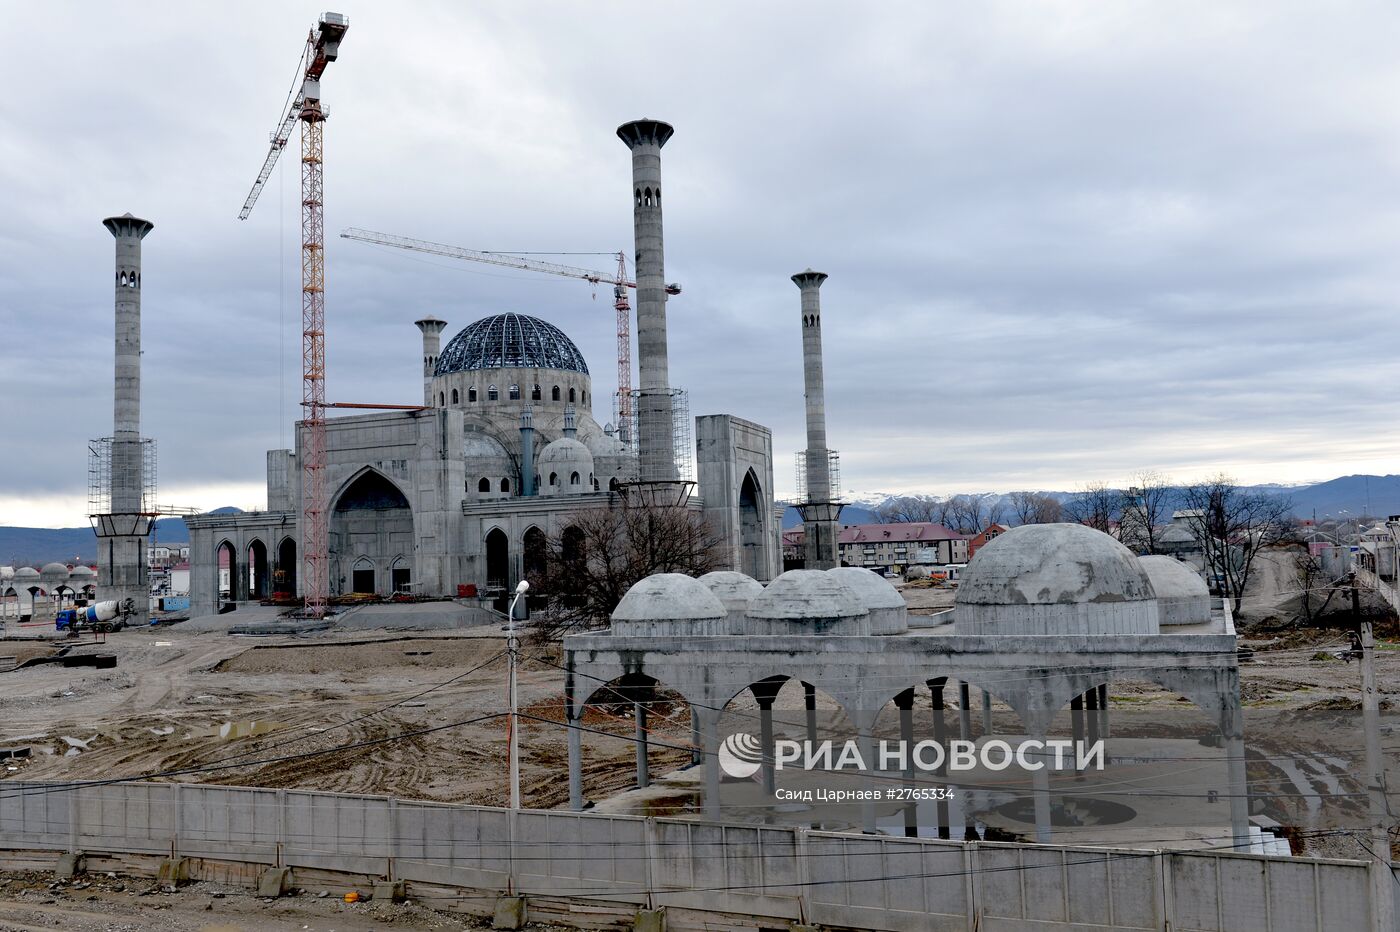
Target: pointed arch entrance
371	525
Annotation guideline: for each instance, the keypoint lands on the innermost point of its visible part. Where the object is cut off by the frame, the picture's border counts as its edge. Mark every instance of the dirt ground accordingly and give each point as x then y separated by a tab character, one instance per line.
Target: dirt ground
102	903
179	705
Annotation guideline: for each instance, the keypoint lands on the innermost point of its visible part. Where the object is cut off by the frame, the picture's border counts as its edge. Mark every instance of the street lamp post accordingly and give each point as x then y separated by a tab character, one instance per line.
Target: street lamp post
513	730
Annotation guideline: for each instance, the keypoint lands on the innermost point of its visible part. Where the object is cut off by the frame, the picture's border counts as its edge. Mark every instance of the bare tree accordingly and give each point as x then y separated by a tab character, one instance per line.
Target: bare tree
1093	505
1232	525
910	509
602	552
1146	507
967	513
996	511
1312	579
1035	508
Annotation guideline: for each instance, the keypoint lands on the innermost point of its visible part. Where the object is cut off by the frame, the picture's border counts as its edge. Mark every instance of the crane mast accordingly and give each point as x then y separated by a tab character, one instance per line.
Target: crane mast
619	281
322	47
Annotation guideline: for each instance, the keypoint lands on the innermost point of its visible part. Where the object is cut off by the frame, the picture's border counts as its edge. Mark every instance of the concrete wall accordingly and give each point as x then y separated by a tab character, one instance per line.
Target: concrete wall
594	869
727	449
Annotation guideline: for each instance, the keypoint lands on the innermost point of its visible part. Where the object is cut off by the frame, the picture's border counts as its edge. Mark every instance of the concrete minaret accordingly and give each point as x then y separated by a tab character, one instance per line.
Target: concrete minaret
123	531
821	512
527	452
570	423
432	345
656	449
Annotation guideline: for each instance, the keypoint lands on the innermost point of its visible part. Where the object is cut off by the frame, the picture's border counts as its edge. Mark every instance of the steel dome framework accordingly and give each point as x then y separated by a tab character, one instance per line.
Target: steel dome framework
509	341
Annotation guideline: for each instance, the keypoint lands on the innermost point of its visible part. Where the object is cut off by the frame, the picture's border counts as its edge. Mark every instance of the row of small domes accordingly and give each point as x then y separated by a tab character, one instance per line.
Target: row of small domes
1034	579
53	571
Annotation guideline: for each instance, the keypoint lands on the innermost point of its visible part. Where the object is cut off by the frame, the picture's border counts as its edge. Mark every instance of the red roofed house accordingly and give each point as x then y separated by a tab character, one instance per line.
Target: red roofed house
992	531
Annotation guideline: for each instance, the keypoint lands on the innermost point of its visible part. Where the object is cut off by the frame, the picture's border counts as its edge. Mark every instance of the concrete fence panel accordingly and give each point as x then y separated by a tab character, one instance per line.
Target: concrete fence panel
727	875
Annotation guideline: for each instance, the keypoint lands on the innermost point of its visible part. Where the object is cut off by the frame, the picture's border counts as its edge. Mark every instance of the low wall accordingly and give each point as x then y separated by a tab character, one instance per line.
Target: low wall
593	870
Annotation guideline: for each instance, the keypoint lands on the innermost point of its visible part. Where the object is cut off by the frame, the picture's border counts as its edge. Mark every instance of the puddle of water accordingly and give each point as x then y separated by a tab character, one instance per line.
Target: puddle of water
228	731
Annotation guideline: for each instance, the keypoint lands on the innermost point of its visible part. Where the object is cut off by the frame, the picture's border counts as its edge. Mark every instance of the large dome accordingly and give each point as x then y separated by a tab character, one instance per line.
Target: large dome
510	341
1055	579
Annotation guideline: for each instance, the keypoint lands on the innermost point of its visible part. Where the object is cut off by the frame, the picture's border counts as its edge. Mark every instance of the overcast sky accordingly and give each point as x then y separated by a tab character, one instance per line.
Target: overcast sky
1066	241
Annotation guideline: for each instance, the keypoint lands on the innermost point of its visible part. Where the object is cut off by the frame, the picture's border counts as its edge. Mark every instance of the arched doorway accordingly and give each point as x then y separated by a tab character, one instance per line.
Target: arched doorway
400	575
284	576
258	575
536	550
226	572
371	524
362	577
751	554
497	559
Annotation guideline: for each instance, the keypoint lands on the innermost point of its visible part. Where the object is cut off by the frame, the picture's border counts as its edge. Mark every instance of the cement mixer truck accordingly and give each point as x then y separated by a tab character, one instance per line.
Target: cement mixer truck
101	617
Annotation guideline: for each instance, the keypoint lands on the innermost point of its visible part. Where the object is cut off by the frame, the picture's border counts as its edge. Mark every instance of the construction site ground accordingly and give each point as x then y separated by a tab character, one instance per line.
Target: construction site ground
378	711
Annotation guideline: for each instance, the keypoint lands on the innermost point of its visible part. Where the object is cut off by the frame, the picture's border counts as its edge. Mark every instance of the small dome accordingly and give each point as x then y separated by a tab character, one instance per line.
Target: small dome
603	445
888	610
54	571
734	590
1055	579
809	602
81	570
478	444
565	458
510	341
26	572
1182	595
668	604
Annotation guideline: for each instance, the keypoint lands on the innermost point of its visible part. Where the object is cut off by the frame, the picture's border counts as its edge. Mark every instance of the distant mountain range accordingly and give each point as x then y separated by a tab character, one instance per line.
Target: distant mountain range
1344	497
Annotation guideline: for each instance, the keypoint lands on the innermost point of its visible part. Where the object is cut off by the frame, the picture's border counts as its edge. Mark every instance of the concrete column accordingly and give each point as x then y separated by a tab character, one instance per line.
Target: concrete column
940	736
527	452
986	713
1040	781
1076	717
964	711
905	703
656	451
765	693
639	716
1092	708
432	346
809	699
1103	710
709	749
575	761
819	513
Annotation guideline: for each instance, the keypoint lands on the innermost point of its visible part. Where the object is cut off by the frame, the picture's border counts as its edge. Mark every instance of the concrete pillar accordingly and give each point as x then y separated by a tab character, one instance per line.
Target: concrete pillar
964	711
709	749
639	717
1091	706
527	452
986	713
940	736
1076	717
905	703
432	346
764	694
655	447
809	700
1103	710
1040	781
820	514
123	532
575	761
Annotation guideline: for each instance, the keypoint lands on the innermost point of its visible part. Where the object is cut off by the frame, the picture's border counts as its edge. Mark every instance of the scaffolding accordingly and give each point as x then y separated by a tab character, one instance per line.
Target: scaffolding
108	458
833	466
682	450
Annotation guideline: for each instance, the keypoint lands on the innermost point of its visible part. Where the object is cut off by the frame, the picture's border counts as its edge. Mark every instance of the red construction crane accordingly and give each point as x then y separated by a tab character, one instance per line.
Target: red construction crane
619	282
322	48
